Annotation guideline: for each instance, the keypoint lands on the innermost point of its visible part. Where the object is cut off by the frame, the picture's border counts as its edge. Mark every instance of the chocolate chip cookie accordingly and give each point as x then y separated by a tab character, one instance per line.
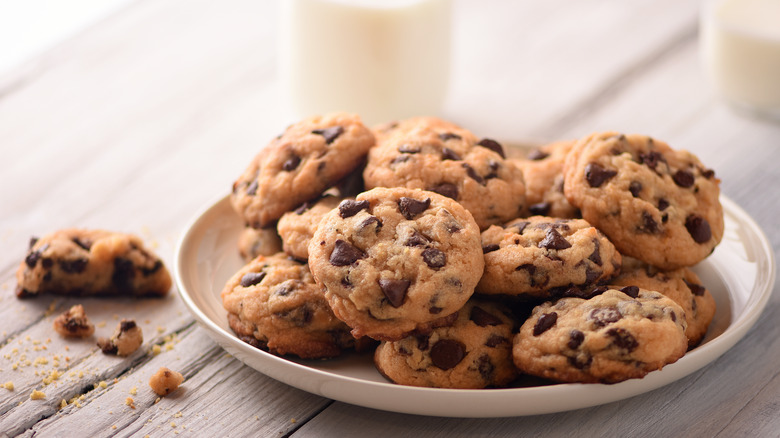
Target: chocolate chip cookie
253	242
474	352
682	285
91	262
543	174
395	261
611	337
434	155
299	165
541	257
274	304
654	203
297	227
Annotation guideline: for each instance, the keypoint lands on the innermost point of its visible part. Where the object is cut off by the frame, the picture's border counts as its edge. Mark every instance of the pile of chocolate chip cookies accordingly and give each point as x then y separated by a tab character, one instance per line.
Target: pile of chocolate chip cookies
464	268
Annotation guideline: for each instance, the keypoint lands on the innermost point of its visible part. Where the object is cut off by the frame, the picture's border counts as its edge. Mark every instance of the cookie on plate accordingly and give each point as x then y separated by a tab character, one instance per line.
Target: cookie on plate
395	261
438	156
91	262
654	203
543	174
474	352
682	285
297	227
274	304
611	337
540	257
253	242
299	165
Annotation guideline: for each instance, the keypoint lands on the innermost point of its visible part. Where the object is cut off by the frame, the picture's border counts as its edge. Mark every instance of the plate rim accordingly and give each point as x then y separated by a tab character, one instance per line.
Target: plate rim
425	398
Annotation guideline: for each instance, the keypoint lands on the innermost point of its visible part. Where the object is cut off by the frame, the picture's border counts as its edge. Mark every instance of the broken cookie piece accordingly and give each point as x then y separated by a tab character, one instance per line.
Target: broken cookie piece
165	381
91	262
126	339
74	323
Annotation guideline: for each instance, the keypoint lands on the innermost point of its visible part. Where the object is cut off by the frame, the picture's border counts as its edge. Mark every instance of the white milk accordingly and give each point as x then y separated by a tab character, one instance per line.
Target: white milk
382	59
741	52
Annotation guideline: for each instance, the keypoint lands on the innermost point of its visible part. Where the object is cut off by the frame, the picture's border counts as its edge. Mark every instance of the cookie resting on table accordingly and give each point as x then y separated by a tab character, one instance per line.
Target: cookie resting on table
299	165
540	257
91	262
395	261
274	304
472	353
654	203
610	337
430	154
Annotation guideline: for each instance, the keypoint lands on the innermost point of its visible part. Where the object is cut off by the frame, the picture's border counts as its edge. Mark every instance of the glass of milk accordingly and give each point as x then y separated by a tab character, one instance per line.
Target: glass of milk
740	42
382	59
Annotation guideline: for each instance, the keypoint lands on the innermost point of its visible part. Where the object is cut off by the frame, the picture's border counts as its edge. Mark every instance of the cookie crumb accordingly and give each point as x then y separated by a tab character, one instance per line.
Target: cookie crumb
130	402
134	390
165	381
126	339
9	385
37	395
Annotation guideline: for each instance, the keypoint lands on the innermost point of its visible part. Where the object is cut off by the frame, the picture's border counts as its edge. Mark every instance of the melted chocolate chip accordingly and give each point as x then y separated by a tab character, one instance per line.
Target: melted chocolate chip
330	134
575	339
411	207
683	178
483	318
349	207
596	175
537	154
540	209
635	187
252	278
73	266
631	291
545	322
591	275
495	340
490	248
434	258
449	154
623	339
595	256
291	163
493	146
449	136
417	239
663	204
554	240
604	316
149	271
696	289
371	220
124	273
344	254
699	228
446	189
648	225
394	290
447	353
473	174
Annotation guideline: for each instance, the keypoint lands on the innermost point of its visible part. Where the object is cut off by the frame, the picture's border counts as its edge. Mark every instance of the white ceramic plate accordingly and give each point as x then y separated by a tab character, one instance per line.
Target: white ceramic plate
740	274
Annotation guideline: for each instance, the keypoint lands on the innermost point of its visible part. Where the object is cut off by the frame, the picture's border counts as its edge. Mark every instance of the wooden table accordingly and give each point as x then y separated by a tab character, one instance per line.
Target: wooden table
139	121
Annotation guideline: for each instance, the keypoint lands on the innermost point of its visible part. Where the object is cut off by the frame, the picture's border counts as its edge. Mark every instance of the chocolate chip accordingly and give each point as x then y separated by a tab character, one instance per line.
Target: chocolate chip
124	273
447	353
126	324
490	248
483	318
537	154
493	146
434	310
252	189
32	259
663	204
604	316
422	342
46	262
33	241
346	283
696	289
417	239
291	163
449	136
283	289
683	178
699	228
304	207
473	174
648	225
595	256
592	275
394	290
449	154
453	227
371	220
252	278
330	134
581	361
554	240
540	209
596	175
411	207
486	368
344	254
349	207
623	339
434	258
446	189
545	322
400	159
409	149
631	291
73	266
651	159
531	269
84	245
707	173
575	339
495	340
635	187
520	226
